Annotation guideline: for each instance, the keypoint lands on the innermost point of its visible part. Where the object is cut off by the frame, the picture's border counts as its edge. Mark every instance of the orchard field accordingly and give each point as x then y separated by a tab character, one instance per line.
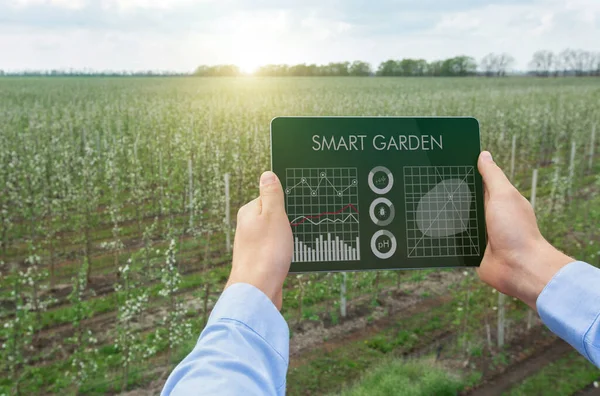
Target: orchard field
114	233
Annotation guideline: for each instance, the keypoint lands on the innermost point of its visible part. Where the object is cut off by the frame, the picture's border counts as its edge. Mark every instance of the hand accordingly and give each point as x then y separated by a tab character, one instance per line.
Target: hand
518	261
263	247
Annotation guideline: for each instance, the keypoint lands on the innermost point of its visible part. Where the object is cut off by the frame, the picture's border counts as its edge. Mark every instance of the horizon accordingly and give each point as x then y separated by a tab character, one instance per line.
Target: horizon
253	73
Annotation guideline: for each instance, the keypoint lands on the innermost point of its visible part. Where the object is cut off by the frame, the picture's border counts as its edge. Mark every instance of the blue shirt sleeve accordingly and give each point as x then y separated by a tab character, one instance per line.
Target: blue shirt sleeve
570	306
244	349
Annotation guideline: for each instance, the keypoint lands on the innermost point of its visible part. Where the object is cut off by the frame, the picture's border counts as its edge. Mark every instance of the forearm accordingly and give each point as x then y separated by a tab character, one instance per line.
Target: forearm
243	349
570	306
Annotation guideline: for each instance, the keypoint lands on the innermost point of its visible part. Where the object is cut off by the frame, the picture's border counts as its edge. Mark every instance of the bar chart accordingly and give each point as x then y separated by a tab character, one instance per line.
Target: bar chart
326	249
322	206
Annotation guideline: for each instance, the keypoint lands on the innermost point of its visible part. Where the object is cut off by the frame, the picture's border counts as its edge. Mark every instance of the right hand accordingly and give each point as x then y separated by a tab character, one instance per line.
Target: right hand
518	261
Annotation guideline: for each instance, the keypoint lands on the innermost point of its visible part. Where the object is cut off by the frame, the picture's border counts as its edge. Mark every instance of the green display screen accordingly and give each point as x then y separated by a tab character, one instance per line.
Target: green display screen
364	193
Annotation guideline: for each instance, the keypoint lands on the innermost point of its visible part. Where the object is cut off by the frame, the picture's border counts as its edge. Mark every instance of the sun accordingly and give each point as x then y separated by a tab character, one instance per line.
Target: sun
248	65
252	52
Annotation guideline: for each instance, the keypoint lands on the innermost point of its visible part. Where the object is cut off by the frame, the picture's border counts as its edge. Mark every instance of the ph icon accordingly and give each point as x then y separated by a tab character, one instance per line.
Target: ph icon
383	244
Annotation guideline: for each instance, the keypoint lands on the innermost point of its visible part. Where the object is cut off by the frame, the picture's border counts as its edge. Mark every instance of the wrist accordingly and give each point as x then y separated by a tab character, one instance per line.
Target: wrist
540	266
268	290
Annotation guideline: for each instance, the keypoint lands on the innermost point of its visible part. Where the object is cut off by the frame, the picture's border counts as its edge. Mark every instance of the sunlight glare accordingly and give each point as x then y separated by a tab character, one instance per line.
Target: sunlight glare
248	65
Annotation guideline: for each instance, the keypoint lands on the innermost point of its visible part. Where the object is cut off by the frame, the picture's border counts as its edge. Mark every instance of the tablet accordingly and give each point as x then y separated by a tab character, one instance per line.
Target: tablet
367	193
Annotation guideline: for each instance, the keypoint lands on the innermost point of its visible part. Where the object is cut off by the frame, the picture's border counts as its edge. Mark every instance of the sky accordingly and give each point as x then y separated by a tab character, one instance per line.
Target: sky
179	35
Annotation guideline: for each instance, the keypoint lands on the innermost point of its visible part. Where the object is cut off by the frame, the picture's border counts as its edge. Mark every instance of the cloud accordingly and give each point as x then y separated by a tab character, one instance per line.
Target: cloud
67	4
180	34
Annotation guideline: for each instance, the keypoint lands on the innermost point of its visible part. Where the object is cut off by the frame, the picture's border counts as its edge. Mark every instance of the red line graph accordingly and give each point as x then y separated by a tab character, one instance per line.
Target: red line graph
324	214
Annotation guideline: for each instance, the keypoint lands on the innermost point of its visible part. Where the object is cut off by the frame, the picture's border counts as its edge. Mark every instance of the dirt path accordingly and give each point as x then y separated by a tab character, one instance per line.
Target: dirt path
364	320
357	329
341	338
519	371
393	304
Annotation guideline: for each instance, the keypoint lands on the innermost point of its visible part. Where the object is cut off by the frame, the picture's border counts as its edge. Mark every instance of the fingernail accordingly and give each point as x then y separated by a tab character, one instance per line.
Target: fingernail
487	156
267	178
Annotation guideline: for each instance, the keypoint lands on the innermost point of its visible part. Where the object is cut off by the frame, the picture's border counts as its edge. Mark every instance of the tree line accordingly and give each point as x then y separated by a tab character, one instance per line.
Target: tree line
544	63
92	73
568	62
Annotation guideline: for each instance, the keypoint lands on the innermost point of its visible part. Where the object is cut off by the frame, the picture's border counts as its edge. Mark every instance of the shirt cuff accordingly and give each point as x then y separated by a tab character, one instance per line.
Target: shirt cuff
248	305
570	304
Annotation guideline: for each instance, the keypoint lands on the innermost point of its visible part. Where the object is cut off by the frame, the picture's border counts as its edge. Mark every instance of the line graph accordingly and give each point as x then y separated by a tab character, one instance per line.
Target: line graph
322	176
322	206
309	218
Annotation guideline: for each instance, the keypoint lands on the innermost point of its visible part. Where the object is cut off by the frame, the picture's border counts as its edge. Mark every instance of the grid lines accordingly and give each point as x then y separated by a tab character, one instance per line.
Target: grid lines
441	211
322	207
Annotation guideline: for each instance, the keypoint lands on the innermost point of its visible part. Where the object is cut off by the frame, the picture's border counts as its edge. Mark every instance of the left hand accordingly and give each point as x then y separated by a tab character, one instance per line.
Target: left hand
263	245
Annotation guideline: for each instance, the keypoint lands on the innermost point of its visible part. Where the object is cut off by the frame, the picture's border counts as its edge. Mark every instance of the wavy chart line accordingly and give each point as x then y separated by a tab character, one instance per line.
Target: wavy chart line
313	190
323	221
295	222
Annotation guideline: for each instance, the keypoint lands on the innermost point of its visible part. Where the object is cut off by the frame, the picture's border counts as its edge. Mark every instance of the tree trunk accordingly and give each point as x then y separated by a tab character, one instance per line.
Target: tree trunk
88	245
207	250
343	296
170	326
125	371
501	319
376	295
16	341
300	297
115	263
466	320
52	275
205	302
4	241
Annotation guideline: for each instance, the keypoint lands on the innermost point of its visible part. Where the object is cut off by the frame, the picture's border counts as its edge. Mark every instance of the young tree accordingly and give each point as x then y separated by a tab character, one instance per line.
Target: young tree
137	183
132	301
10	202
17	331
87	200
115	246
177	327
83	361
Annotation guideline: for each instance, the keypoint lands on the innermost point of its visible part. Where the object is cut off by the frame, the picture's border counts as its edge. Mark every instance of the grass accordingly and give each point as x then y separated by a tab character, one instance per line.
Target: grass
328	370
563	377
50	378
107	303
224	122
411	378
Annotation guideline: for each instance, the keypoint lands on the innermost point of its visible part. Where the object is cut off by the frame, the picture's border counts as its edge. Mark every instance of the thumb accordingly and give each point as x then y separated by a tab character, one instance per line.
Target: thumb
271	193
493	177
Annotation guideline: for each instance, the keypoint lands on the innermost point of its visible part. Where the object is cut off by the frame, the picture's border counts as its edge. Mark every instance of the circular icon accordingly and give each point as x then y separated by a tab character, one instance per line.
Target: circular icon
381	180
383	244
382	211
